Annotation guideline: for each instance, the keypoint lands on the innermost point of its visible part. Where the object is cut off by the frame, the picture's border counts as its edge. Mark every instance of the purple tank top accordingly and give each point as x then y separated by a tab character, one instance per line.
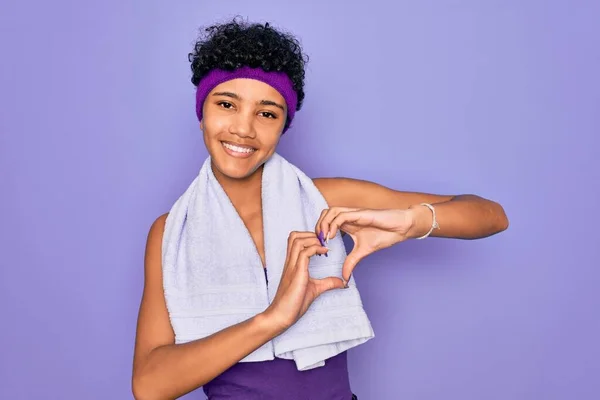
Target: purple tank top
279	379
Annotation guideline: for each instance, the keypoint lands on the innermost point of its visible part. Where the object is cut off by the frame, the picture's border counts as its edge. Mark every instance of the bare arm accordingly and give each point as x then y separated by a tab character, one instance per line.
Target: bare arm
164	370
459	216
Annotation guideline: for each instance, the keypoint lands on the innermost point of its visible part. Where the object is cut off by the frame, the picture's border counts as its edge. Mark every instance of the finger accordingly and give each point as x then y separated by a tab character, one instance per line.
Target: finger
350	263
352	217
307	252
330	215
325	284
296	236
290	258
290	242
303	258
301	244
318	224
326	217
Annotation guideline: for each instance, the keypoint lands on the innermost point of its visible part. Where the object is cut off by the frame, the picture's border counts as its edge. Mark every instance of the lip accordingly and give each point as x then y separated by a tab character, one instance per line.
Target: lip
235	153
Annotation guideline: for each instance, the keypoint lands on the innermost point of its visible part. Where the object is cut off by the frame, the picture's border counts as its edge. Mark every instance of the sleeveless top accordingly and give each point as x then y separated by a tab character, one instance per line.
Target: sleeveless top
280	379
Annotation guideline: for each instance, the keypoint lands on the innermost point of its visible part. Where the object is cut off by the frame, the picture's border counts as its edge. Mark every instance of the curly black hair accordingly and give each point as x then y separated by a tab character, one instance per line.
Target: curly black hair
237	43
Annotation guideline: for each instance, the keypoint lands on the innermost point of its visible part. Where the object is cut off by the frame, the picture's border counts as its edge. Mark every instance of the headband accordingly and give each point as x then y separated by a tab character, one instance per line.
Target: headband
276	79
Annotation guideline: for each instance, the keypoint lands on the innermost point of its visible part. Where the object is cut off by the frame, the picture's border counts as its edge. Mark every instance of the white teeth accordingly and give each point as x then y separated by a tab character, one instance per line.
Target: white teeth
238	149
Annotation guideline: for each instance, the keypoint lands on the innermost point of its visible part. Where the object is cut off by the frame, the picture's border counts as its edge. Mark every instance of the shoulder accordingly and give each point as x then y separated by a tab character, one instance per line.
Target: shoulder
154	240
158	227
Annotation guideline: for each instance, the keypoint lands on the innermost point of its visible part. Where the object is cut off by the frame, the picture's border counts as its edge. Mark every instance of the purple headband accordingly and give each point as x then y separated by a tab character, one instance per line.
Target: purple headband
278	80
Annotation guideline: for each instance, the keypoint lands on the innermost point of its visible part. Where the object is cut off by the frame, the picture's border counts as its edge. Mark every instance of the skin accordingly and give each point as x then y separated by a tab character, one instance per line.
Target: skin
251	113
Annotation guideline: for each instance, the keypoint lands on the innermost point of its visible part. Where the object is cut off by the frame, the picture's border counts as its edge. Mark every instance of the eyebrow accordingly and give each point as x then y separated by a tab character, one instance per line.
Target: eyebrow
263	102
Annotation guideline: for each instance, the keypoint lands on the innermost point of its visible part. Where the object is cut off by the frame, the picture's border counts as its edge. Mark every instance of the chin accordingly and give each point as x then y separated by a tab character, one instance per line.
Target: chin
234	172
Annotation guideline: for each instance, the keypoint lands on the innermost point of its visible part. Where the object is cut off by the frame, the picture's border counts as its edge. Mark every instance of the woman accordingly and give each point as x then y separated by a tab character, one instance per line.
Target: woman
250	81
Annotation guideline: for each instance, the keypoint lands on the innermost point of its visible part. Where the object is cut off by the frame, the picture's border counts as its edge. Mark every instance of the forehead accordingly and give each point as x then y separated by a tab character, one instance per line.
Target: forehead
249	89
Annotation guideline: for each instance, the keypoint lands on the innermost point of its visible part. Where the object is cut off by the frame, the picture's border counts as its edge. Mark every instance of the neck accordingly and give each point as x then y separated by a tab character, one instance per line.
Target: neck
241	191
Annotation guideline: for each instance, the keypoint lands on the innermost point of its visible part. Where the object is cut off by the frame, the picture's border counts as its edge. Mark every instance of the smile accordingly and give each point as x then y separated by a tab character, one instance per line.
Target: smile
238	151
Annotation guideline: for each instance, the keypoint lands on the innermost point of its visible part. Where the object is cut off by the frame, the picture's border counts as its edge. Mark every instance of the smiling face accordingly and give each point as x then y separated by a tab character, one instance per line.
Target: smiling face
242	123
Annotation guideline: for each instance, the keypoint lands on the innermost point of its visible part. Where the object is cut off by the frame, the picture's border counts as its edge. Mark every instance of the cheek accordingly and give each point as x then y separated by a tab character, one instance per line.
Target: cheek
213	121
214	126
271	140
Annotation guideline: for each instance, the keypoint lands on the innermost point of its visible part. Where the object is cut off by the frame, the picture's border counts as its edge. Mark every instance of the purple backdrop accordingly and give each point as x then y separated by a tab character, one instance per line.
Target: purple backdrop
98	137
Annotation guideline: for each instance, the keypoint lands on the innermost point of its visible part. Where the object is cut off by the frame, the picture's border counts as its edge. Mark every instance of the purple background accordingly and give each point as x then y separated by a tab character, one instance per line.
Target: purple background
98	137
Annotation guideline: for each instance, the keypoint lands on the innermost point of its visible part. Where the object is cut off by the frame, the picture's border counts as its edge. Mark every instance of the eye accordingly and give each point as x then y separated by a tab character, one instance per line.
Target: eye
267	114
225	104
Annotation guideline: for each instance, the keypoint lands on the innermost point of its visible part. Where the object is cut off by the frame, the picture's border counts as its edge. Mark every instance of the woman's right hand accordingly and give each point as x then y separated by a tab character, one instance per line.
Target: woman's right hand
297	290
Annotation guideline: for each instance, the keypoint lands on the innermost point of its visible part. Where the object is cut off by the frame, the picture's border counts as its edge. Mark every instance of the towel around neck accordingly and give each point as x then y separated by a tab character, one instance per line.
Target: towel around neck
213	276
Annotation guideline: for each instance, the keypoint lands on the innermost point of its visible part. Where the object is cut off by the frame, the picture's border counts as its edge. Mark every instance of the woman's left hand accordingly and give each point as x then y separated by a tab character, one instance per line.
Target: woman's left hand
371	230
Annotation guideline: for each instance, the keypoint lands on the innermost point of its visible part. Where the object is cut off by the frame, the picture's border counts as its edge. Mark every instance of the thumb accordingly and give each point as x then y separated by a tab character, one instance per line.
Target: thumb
350	263
329	283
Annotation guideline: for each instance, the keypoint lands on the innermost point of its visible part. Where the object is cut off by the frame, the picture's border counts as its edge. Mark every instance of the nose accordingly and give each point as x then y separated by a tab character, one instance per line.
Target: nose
241	125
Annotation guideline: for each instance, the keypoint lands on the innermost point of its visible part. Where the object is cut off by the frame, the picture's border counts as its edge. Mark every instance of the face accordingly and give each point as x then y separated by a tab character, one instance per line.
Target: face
242	123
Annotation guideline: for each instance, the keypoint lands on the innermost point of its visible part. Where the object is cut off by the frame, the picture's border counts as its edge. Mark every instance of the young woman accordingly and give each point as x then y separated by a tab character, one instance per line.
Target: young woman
250	81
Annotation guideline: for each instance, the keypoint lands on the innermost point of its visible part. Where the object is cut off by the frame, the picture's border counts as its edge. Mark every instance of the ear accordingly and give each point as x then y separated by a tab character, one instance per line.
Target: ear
202	124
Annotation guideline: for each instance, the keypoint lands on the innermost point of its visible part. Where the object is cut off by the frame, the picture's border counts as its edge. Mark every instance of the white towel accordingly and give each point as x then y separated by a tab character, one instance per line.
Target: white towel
213	275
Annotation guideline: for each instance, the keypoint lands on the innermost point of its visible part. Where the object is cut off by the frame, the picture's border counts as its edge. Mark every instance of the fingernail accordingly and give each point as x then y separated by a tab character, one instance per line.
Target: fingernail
321	238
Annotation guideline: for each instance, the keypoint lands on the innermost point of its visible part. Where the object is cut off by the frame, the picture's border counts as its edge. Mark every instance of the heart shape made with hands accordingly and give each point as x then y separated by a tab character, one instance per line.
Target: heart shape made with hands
370	229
